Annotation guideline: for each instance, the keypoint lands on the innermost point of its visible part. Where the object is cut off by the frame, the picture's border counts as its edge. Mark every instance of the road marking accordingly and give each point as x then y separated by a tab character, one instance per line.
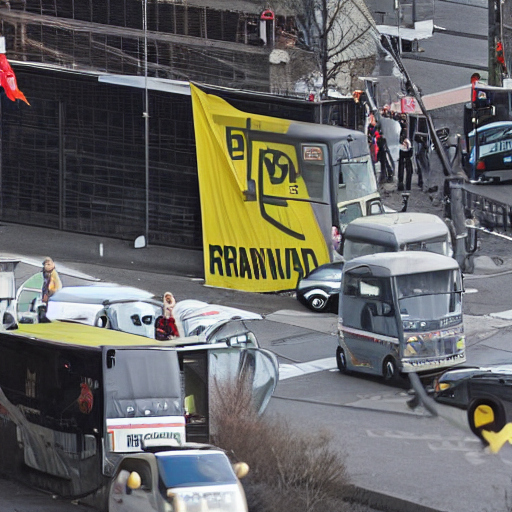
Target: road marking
504	315
287	371
470	290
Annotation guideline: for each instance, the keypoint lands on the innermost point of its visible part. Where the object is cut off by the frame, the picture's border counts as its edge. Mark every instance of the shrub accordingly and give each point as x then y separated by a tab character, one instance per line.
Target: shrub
288	470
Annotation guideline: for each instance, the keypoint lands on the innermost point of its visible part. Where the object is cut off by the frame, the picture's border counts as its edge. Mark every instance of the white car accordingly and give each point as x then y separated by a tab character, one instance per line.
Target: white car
195	316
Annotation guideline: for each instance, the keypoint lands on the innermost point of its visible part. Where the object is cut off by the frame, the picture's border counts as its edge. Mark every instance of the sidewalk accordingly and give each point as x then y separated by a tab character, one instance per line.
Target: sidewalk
62	246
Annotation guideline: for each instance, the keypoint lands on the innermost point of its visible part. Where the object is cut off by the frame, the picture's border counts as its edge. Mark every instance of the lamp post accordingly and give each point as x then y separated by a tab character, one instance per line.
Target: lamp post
145	114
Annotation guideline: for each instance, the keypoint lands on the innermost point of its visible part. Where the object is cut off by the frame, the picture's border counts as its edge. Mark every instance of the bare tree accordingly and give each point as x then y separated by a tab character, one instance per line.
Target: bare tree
338	32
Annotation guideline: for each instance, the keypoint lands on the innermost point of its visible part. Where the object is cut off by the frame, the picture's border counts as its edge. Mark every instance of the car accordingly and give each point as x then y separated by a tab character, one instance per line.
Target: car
319	291
195	316
491	159
186	477
484	392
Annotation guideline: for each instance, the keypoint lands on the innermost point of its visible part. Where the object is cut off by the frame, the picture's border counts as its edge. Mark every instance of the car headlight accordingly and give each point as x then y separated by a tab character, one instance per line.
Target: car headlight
441	386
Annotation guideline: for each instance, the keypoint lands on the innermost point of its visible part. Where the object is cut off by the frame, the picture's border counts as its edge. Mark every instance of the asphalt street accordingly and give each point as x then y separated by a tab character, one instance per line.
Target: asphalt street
385	442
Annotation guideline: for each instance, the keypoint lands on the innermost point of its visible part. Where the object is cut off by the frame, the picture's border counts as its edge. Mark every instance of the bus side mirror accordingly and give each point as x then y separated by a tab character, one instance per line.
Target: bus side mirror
387	309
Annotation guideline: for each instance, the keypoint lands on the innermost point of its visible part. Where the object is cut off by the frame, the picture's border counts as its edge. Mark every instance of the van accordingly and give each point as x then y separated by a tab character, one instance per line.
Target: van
400	313
392	232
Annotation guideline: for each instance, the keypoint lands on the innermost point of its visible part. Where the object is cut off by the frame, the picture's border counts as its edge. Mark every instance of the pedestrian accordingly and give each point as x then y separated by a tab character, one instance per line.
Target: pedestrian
166	328
405	165
168	305
386	171
422	157
51	280
165	325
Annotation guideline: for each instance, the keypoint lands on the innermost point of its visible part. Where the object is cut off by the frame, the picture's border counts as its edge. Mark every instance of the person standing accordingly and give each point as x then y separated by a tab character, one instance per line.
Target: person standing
405	165
386	171
165	325
51	280
168	305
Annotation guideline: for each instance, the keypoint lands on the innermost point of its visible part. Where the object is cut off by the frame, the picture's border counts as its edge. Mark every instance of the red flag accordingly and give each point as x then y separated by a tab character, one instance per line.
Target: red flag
8	81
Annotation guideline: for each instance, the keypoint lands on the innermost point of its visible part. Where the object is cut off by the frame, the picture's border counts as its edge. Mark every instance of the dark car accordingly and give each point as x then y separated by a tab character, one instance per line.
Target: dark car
491	161
320	290
484	392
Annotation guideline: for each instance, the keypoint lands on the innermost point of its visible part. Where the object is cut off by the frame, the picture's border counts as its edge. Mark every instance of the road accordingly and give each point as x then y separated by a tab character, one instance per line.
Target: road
385	442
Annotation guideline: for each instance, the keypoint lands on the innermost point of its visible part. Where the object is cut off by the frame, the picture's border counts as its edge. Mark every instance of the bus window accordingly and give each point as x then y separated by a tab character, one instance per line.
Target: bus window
314	170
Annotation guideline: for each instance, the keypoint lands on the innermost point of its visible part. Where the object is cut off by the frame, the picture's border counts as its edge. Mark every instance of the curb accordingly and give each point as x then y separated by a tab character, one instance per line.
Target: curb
383	502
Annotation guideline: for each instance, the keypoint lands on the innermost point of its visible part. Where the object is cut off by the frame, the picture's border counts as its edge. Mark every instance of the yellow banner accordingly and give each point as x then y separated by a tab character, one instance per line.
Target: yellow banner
259	229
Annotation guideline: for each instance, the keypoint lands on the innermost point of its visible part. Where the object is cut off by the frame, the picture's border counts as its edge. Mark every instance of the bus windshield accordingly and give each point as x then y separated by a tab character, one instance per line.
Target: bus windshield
429	295
356	179
140	384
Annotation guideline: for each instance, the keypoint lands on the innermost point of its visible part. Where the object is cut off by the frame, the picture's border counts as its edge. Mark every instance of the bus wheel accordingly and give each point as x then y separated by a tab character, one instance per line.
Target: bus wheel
317	303
341	360
485	415
389	370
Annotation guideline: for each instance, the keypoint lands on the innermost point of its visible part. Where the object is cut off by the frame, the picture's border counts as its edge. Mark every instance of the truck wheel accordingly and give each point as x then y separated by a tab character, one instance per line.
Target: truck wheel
389	370
341	360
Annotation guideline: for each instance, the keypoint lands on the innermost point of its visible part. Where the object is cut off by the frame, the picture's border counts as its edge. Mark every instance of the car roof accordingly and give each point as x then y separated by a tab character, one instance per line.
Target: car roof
395	229
335	265
490	126
401	263
99	293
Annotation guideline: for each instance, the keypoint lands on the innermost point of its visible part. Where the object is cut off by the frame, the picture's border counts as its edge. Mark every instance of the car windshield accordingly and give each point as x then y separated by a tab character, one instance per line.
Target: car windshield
328	273
353	250
186	470
438	245
429	295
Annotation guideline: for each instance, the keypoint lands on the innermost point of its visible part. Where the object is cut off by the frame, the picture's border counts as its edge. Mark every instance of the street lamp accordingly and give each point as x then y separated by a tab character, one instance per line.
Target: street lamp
145	114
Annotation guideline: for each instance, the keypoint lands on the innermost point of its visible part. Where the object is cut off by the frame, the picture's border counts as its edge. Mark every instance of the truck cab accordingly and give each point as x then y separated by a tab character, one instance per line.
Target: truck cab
192	477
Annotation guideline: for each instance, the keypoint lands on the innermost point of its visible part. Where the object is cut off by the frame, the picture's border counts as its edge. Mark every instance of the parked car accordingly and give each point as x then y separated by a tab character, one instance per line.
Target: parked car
195	316
319	290
484	392
491	159
193	477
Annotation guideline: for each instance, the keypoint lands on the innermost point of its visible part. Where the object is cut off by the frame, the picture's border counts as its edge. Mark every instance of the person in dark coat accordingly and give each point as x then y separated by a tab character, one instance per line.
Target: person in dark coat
405	164
386	171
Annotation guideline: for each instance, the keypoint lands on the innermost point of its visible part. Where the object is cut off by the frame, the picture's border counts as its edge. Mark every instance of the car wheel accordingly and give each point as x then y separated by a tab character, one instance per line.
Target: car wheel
317	302
485	415
389	370
341	360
